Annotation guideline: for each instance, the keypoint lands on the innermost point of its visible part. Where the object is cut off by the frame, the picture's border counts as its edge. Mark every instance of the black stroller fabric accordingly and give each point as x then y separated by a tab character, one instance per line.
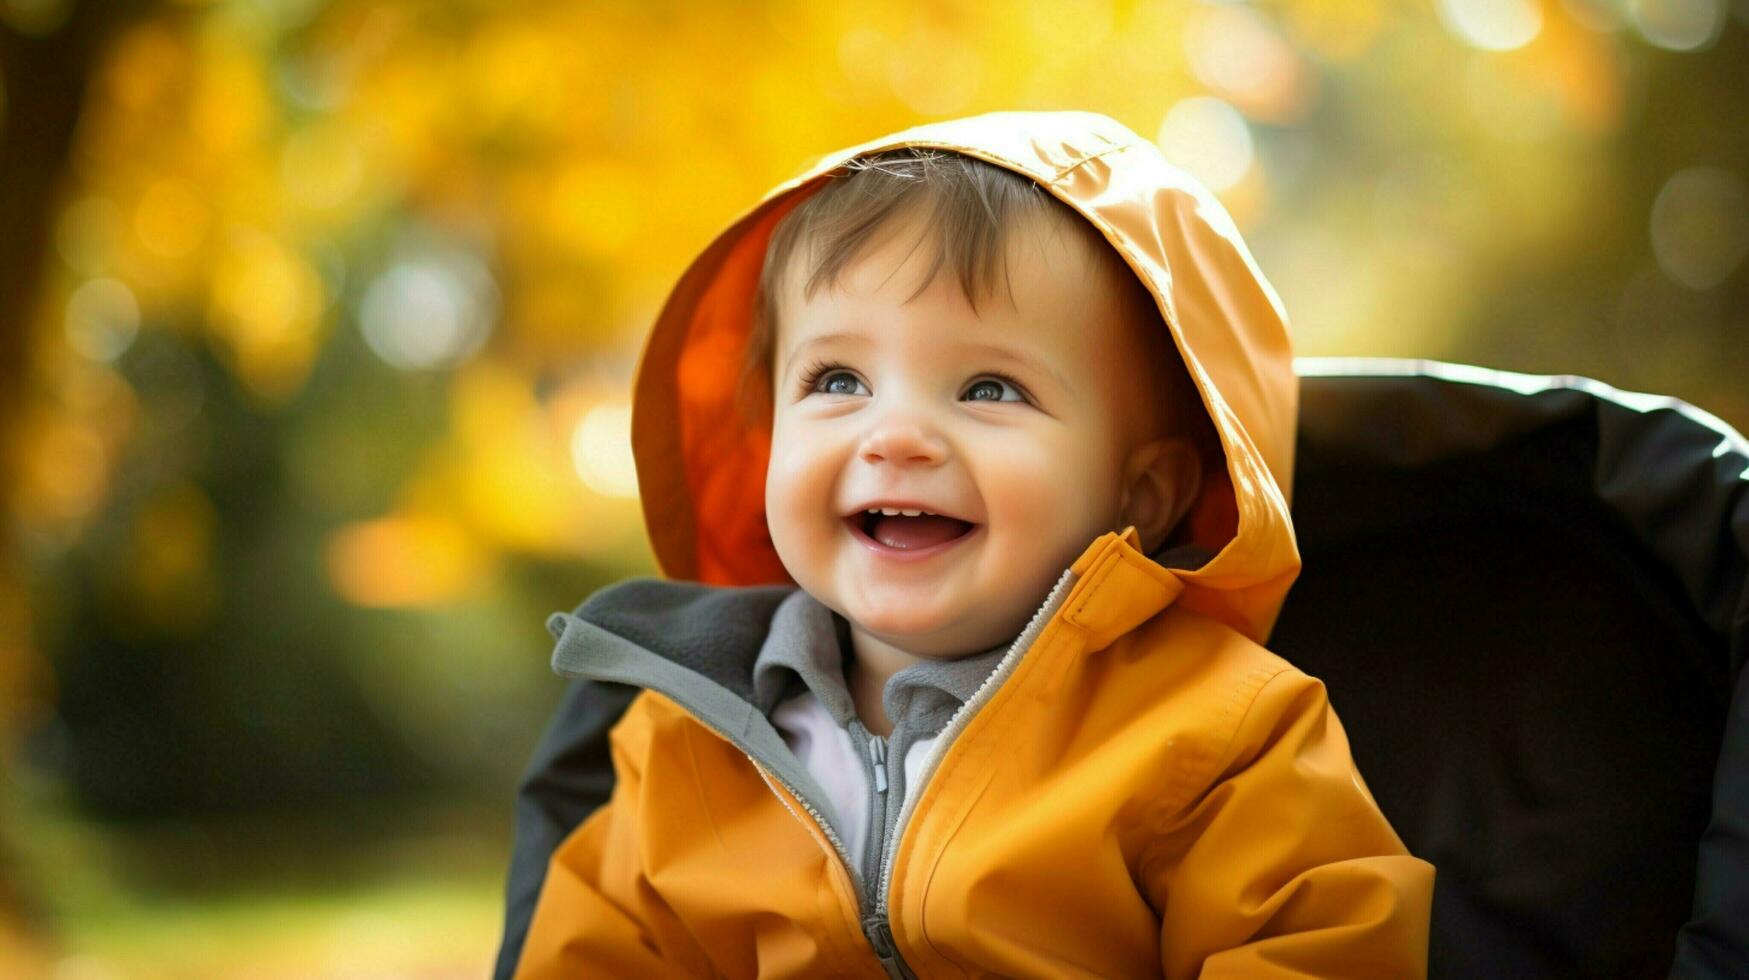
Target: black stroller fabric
1527	598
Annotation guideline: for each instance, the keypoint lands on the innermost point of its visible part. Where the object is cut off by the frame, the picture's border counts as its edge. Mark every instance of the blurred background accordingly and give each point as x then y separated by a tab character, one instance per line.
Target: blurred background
317	322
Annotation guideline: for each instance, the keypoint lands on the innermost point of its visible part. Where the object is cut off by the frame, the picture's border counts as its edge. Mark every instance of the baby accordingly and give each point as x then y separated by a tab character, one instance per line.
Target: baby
959	666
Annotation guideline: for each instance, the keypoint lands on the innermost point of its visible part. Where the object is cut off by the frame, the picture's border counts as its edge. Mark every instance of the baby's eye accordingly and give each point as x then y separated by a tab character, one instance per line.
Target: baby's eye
838	383
990	390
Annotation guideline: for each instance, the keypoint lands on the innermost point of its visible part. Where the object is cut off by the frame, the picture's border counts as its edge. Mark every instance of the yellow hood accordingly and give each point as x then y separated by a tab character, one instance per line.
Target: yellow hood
701	469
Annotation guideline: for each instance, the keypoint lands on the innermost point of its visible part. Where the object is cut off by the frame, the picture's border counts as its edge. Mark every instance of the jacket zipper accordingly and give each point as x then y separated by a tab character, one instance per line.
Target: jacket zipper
877	753
956	724
875	747
880	936
772	781
876	926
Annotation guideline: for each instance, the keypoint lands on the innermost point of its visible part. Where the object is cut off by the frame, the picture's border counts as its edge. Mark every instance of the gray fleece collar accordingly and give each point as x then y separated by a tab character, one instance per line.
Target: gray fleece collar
724	635
807	647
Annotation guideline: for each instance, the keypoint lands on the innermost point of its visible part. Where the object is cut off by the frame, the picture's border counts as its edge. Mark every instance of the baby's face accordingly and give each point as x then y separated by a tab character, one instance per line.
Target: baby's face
1014	419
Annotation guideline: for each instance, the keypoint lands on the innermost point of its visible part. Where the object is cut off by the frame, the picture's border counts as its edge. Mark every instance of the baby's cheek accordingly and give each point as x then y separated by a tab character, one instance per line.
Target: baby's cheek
797	498
1035	478
1062	491
780	501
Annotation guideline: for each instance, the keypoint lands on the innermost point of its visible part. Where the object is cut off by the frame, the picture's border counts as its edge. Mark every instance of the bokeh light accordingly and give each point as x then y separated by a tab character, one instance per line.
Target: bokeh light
265	306
601	450
1700	226
403	560
66	473
431	308
1209	138
102	319
1493	25
1678	25
1241	54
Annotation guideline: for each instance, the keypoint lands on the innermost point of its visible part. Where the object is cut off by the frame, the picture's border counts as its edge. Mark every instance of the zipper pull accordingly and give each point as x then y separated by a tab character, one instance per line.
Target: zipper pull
880	935
877	751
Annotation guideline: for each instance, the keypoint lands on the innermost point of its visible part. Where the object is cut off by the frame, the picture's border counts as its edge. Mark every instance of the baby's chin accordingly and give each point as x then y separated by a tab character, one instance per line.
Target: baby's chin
937	635
915	612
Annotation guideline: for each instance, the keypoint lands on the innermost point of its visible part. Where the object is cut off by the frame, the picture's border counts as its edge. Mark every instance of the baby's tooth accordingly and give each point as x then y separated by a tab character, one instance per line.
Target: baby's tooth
911	513
890	511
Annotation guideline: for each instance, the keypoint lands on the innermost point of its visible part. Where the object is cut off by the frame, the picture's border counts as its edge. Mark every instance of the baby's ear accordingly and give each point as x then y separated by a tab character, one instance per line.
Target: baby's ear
1161	481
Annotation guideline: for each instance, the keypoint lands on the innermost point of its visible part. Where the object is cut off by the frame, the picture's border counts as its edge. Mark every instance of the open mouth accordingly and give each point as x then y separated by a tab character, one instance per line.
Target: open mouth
915	533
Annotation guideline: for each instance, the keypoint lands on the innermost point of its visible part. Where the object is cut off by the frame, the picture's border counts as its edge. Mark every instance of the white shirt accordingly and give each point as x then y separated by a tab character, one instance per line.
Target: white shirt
831	758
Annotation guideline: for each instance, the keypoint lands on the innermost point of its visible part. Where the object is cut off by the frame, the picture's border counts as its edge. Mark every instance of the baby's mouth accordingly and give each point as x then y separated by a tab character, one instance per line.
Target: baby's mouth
909	532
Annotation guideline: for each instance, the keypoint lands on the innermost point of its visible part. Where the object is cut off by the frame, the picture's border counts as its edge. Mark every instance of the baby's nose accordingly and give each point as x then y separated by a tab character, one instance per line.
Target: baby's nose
903	442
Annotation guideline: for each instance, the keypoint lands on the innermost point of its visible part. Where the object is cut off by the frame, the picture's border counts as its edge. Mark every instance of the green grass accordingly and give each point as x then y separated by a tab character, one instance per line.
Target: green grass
374	892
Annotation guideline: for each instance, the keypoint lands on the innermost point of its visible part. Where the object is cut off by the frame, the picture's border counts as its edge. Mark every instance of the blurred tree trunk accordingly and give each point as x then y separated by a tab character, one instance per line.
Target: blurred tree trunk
44	85
43	70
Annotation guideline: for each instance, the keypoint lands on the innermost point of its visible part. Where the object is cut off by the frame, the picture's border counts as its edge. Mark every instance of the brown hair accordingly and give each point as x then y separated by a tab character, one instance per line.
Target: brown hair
971	204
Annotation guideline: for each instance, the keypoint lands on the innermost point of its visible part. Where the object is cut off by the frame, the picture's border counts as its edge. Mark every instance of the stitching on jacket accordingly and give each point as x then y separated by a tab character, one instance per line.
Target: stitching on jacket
1248	692
980	153
1169	307
1106	566
1095	581
1268	673
1078	164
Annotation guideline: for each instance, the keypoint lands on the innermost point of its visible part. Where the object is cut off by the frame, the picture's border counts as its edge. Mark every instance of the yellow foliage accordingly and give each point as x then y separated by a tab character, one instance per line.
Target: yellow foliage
584	153
265	309
405	560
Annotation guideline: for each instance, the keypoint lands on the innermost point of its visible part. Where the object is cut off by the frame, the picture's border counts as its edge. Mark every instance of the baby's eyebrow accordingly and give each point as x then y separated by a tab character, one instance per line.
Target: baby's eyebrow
824	338
1013	356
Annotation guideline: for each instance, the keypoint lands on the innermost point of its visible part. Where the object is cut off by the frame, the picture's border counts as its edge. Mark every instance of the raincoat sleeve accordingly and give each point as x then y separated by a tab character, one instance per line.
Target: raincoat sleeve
569	777
1284	865
598	914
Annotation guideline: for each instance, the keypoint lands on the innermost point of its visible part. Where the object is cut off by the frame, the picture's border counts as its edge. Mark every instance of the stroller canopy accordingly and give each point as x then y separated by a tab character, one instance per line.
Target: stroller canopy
1527	597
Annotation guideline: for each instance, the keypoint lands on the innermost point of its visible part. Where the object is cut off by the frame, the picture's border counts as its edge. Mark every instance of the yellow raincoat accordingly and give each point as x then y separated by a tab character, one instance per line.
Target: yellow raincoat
1139	789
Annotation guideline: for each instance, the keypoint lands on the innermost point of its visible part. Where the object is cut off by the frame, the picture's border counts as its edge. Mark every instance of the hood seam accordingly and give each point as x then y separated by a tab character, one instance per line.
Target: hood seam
1077	165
